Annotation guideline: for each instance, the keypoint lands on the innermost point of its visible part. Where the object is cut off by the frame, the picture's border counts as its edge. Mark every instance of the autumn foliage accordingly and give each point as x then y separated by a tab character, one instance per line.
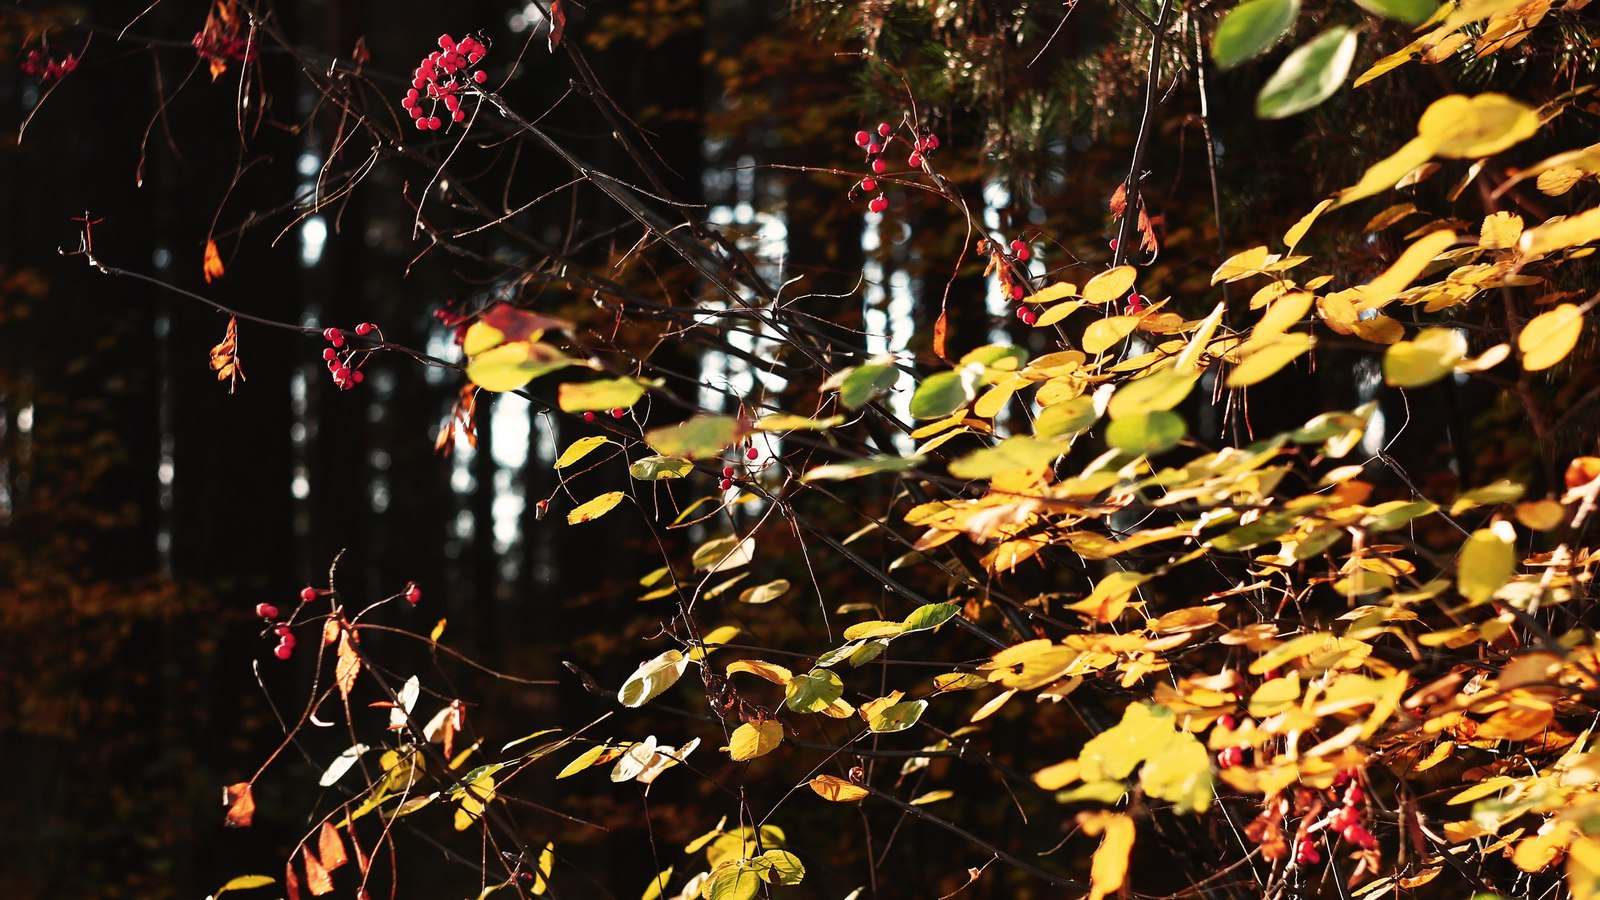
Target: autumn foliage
1079	552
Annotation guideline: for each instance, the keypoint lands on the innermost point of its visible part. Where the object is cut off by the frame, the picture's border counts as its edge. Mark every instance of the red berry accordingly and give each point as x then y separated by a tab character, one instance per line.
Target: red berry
282	630
884	129
1226	720
727	471
1229	757
1017	245
1023	253
459	115
435	124
283	651
878	166
340	373
452	102
413	593
1354	795
330	354
416	113
446	42
1358	834
308	594
364	328
618	413
266	611
878	204
873	150
1306	853
869	184
480	77
1022	312
914	160
588	417
725	483
1031	316
357	377
1018	292
1343	818
409	102
863	139
330	334
752	454
422	124
419	82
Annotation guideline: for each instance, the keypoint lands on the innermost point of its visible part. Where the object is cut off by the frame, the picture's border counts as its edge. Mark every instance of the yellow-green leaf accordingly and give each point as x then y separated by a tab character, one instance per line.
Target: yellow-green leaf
1430	357
699	438
1461	127
752	740
585	396
1160	391
1487	561
1265	361
245	883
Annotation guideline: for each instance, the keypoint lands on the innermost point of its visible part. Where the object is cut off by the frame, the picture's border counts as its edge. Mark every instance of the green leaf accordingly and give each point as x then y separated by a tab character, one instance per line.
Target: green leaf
863	382
1065	419
701	437
1395	514
1487	562
658	468
1145	729
855	468
1411	12
813	692
1250	28
510	366
930	616
1146	434
650	679
594	509
594	396
1014	455
940	395
732	883
779	867
245	883
1430	357
1180	772
1310	74
1152	393
580	448
897	717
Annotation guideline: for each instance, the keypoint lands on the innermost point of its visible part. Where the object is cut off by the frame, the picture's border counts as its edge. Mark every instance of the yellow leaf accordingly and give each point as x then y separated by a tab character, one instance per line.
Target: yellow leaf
510	366
579	449
1488	559
1298	230
481	336
1058	776
1265	361
1583	869
1110	597
1404	270
1379	329
1109	286
1559	234
770	671
213	262
1388	64
1161	390
932	797
1461	127
1102	334
752	740
1284	313
245	883
1056	313
1058	291
1431	356
1109	866
829	787
595	508
1387	172
1550	336
1275	696
1243	265
1201	339
1500	230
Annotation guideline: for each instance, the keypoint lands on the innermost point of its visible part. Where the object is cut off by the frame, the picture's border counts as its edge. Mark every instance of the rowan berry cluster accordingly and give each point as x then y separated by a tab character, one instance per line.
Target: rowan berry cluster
616	413
876	144
443	77
46	69
344	363
285	634
1013	285
750	454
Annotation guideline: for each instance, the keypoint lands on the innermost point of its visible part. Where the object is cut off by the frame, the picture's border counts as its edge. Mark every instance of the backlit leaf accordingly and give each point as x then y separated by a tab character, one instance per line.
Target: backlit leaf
779	867
1022	456
1065	419
240	801
765	593
1561	234
1462	127
830	787
659	468
511	366
896	716
1488	559
585	396
1146	434
858	387
813	692
1103	334
212	269
1411	12
1110	285
856	468
939	395
1109	866
1266	361
245	883
341	764
1432	355
701	437
929	617
1160	391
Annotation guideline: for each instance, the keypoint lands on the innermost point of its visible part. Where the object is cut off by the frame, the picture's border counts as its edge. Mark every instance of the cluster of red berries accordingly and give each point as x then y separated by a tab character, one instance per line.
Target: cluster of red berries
750	454
1014	290
1137	303
616	413
44	68
1347	819
876	144
442	78
344	363
1228	757
268	611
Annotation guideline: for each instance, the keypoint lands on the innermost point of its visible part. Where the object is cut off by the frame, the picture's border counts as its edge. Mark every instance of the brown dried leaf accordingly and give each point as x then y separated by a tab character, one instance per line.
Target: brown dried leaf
558	24
349	666
331	848
225	356
241	805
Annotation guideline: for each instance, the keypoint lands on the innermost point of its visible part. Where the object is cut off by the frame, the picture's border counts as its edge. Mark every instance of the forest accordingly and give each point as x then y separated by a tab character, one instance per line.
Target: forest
677	449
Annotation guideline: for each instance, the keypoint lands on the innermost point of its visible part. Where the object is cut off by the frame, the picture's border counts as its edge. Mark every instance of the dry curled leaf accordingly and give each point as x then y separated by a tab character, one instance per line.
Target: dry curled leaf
241	805
225	356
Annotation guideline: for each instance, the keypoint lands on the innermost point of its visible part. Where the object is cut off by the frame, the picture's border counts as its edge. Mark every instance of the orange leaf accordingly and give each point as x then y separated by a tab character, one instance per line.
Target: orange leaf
941	329
349	666
318	881
331	848
213	264
558	23
241	805
291	881
1108	869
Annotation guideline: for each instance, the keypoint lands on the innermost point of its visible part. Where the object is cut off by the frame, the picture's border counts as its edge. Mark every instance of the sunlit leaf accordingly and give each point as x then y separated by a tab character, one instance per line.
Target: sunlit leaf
941	394
779	867
1160	391
929	617
860	384
245	883
830	787
1266	360
595	508
651	678
580	448
1461	127
1147	433
341	764
1065	419
659	468
765	593
752	740
701	437
856	468
1023	456
761	668
1550	336
584	396
723	554
512	365
1488	559
1110	285
1103	334
896	716
240	801
1411	12
1431	356
813	691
